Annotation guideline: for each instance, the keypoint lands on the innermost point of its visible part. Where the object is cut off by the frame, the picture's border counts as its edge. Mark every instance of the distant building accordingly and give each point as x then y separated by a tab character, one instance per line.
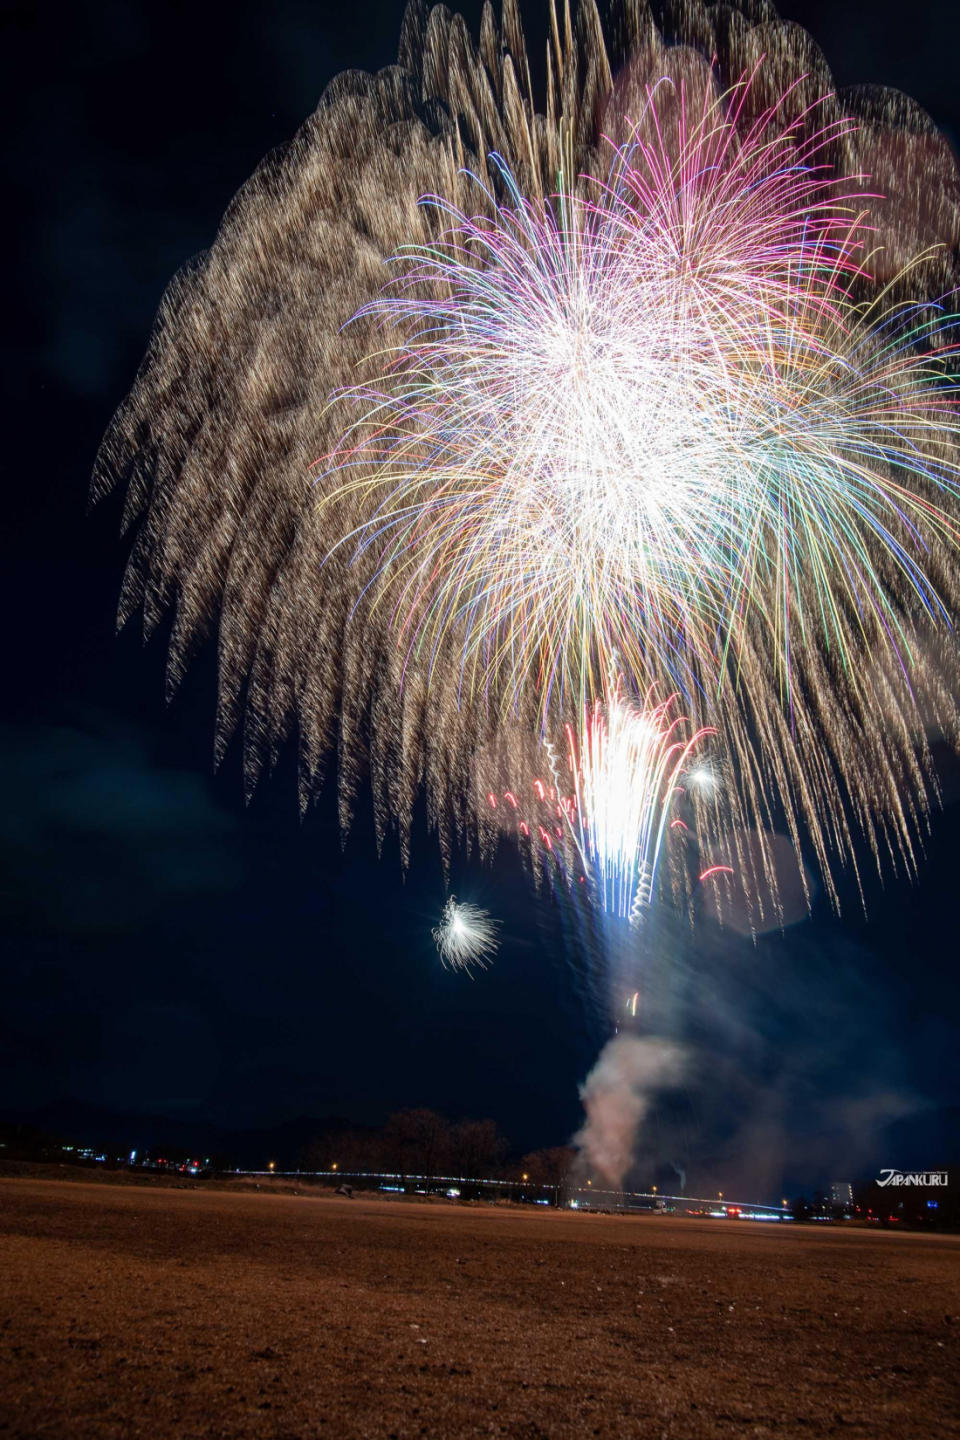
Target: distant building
841	1193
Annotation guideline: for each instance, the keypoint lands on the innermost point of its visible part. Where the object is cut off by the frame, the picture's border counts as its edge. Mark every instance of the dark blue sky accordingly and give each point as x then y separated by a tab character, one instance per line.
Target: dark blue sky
167	952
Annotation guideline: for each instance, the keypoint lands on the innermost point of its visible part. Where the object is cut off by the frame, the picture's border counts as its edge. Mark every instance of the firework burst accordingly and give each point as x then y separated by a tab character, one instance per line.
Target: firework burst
678	411
639	426
563	456
466	936
628	766
604	812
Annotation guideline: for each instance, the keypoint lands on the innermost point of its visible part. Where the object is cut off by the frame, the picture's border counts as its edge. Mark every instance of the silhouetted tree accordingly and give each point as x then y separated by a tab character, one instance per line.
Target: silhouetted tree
478	1148
350	1150
548	1167
417	1142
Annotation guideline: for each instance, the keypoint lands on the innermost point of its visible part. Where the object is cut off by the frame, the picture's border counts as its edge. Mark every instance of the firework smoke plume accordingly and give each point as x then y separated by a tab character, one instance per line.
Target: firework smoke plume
616	1095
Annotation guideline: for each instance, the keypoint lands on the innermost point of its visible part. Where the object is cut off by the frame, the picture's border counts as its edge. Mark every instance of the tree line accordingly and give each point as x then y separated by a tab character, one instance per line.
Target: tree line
422	1142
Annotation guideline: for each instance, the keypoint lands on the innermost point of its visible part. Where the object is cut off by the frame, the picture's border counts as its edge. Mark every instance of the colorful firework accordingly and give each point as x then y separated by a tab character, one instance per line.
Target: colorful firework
586	406
633	427
658	425
687	413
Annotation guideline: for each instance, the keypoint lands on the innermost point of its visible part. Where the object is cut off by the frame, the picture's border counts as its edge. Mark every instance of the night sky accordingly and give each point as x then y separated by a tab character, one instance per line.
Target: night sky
174	962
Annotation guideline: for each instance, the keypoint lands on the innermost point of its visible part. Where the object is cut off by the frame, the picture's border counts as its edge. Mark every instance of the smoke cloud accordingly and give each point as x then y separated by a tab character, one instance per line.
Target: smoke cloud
617	1095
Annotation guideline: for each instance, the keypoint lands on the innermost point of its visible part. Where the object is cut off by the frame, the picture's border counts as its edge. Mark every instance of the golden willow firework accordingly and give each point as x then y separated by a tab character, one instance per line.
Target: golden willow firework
648	380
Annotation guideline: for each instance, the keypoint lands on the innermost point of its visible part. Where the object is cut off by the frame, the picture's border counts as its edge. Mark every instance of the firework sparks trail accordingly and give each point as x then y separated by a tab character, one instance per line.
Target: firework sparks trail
466	936
627	765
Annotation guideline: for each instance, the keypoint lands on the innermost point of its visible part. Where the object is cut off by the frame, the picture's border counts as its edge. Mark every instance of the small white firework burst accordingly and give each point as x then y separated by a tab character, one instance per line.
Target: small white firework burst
466	936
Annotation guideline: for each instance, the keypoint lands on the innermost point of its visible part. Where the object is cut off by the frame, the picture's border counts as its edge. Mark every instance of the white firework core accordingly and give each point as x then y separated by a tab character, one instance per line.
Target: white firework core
627	766
466	936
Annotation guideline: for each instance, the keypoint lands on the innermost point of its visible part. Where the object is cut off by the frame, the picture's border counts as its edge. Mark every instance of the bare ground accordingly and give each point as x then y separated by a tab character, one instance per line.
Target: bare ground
135	1312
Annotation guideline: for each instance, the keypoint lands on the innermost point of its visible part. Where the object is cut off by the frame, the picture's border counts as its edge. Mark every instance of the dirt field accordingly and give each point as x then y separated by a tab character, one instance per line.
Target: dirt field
127	1312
